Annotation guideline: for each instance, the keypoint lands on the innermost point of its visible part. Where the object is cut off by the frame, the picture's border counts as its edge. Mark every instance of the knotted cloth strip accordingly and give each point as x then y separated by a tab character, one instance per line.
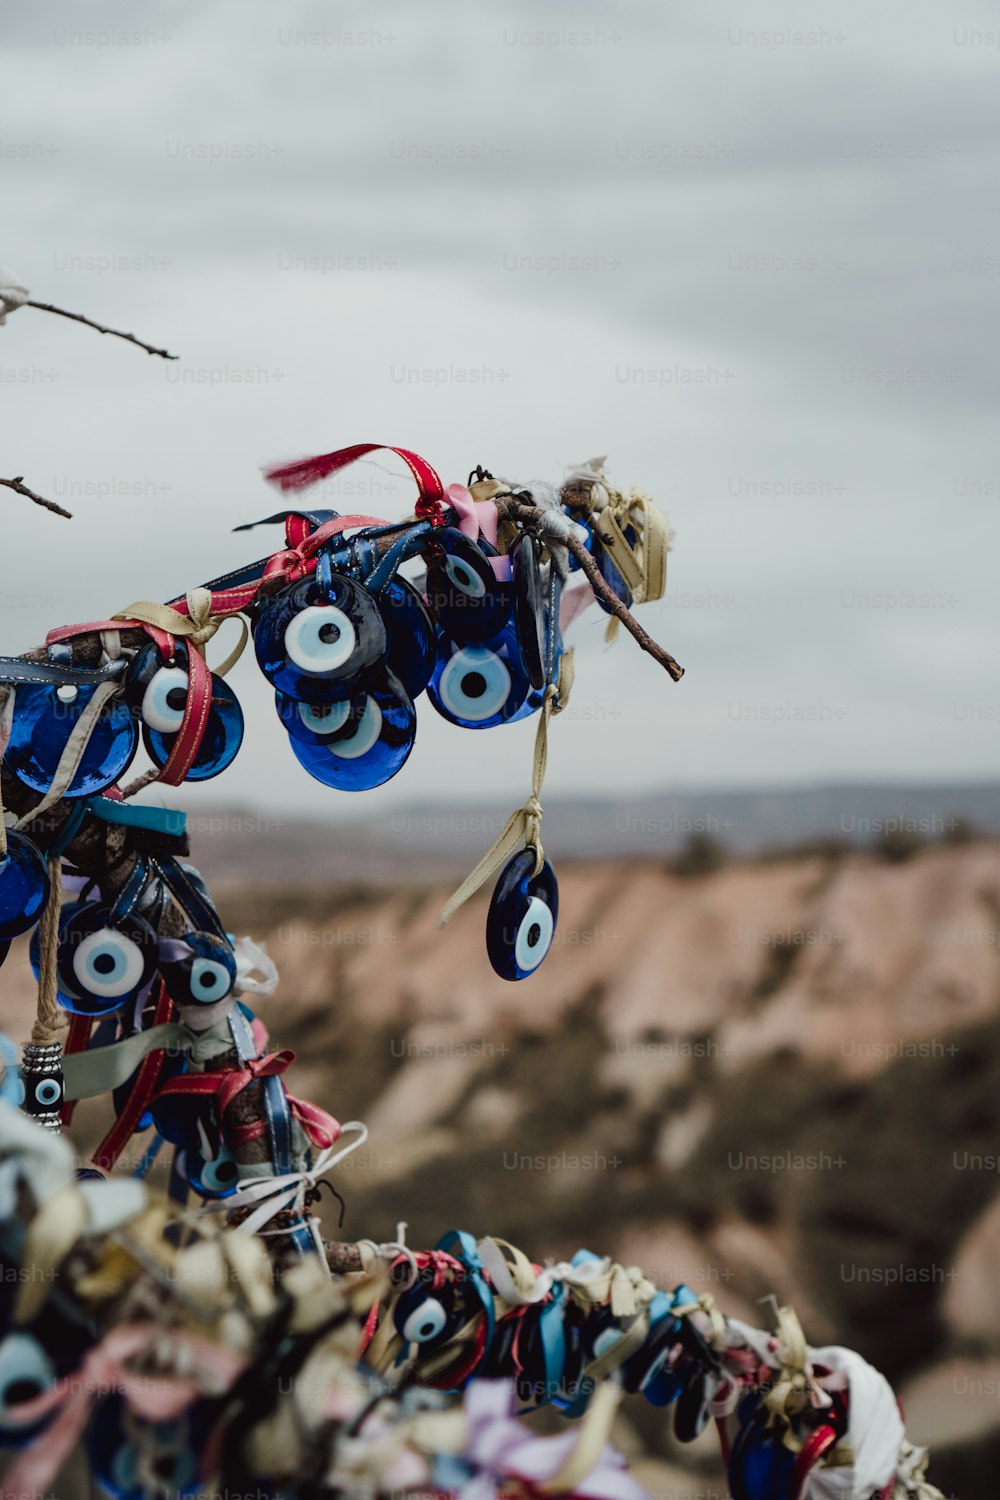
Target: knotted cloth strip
197	626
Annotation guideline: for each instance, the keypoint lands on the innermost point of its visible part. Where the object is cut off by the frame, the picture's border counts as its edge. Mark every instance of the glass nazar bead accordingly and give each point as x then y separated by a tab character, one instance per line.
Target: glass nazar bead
157	689
319	640
44	718
521	921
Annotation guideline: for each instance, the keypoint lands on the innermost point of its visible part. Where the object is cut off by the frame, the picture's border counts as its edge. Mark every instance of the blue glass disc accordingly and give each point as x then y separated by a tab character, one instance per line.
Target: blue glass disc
102	963
320	645
157	692
44	718
463	592
411	642
24	885
480	686
381	739
311	722
522	916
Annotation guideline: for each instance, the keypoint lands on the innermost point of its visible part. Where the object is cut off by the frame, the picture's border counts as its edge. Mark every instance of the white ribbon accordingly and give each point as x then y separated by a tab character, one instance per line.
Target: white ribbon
273	1194
256	973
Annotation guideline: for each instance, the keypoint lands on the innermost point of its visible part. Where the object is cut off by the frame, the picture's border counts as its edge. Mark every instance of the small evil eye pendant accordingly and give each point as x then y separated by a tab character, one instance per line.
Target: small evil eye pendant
157	691
462	590
521	921
427	1315
411	641
24	885
204	975
212	1177
319	642
370	745
42	1082
26	1372
480	686
101	962
44	719
529	607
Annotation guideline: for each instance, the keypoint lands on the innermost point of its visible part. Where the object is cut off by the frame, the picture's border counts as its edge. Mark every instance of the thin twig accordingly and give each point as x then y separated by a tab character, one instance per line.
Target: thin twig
22	489
79	318
531	515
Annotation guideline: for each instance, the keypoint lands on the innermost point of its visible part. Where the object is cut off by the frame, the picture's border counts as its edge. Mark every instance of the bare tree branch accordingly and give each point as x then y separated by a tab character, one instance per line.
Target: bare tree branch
532	516
79	318
22	489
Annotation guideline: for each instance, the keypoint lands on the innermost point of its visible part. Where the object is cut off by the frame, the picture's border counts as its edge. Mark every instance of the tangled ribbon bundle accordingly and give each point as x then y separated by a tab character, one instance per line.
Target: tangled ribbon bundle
182	1366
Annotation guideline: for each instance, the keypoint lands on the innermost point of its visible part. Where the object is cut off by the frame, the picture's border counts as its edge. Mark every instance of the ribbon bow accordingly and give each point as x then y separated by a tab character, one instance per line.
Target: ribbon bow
274	1194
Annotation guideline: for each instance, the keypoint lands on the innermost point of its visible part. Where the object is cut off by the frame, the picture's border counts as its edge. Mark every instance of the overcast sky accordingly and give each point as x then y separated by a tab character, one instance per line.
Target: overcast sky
750	252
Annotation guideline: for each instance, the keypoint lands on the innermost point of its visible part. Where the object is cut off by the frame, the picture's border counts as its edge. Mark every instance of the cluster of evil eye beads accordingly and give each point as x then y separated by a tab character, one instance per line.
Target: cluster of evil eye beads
347	650
559	1347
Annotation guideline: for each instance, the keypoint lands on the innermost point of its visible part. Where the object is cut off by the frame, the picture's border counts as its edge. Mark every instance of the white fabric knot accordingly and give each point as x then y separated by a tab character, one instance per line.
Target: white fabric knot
13	294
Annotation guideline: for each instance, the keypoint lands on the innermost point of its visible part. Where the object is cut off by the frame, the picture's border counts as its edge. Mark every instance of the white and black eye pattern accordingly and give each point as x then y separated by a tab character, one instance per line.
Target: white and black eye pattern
45	1096
464	577
204	972
323	720
318	645
320	639
476	684
25	1373
362	736
521	921
479	686
425	1316
164	700
103	963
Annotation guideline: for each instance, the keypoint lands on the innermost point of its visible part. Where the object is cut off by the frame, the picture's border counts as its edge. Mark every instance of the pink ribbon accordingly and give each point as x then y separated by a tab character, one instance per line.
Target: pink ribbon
503	1446
161	1398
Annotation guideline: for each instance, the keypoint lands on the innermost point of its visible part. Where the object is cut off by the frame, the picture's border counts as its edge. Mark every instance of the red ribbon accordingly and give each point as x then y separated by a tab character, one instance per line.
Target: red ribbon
146	1078
306	471
320	1127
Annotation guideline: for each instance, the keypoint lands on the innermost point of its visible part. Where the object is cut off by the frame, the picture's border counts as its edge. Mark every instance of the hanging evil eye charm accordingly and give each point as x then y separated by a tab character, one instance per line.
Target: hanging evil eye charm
426	1315
125	1451
478	687
26	1372
410	636
199	969
368	746
157	691
529	607
521	921
462	590
24	885
44	719
101	962
320	640
42	1080
212	1177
